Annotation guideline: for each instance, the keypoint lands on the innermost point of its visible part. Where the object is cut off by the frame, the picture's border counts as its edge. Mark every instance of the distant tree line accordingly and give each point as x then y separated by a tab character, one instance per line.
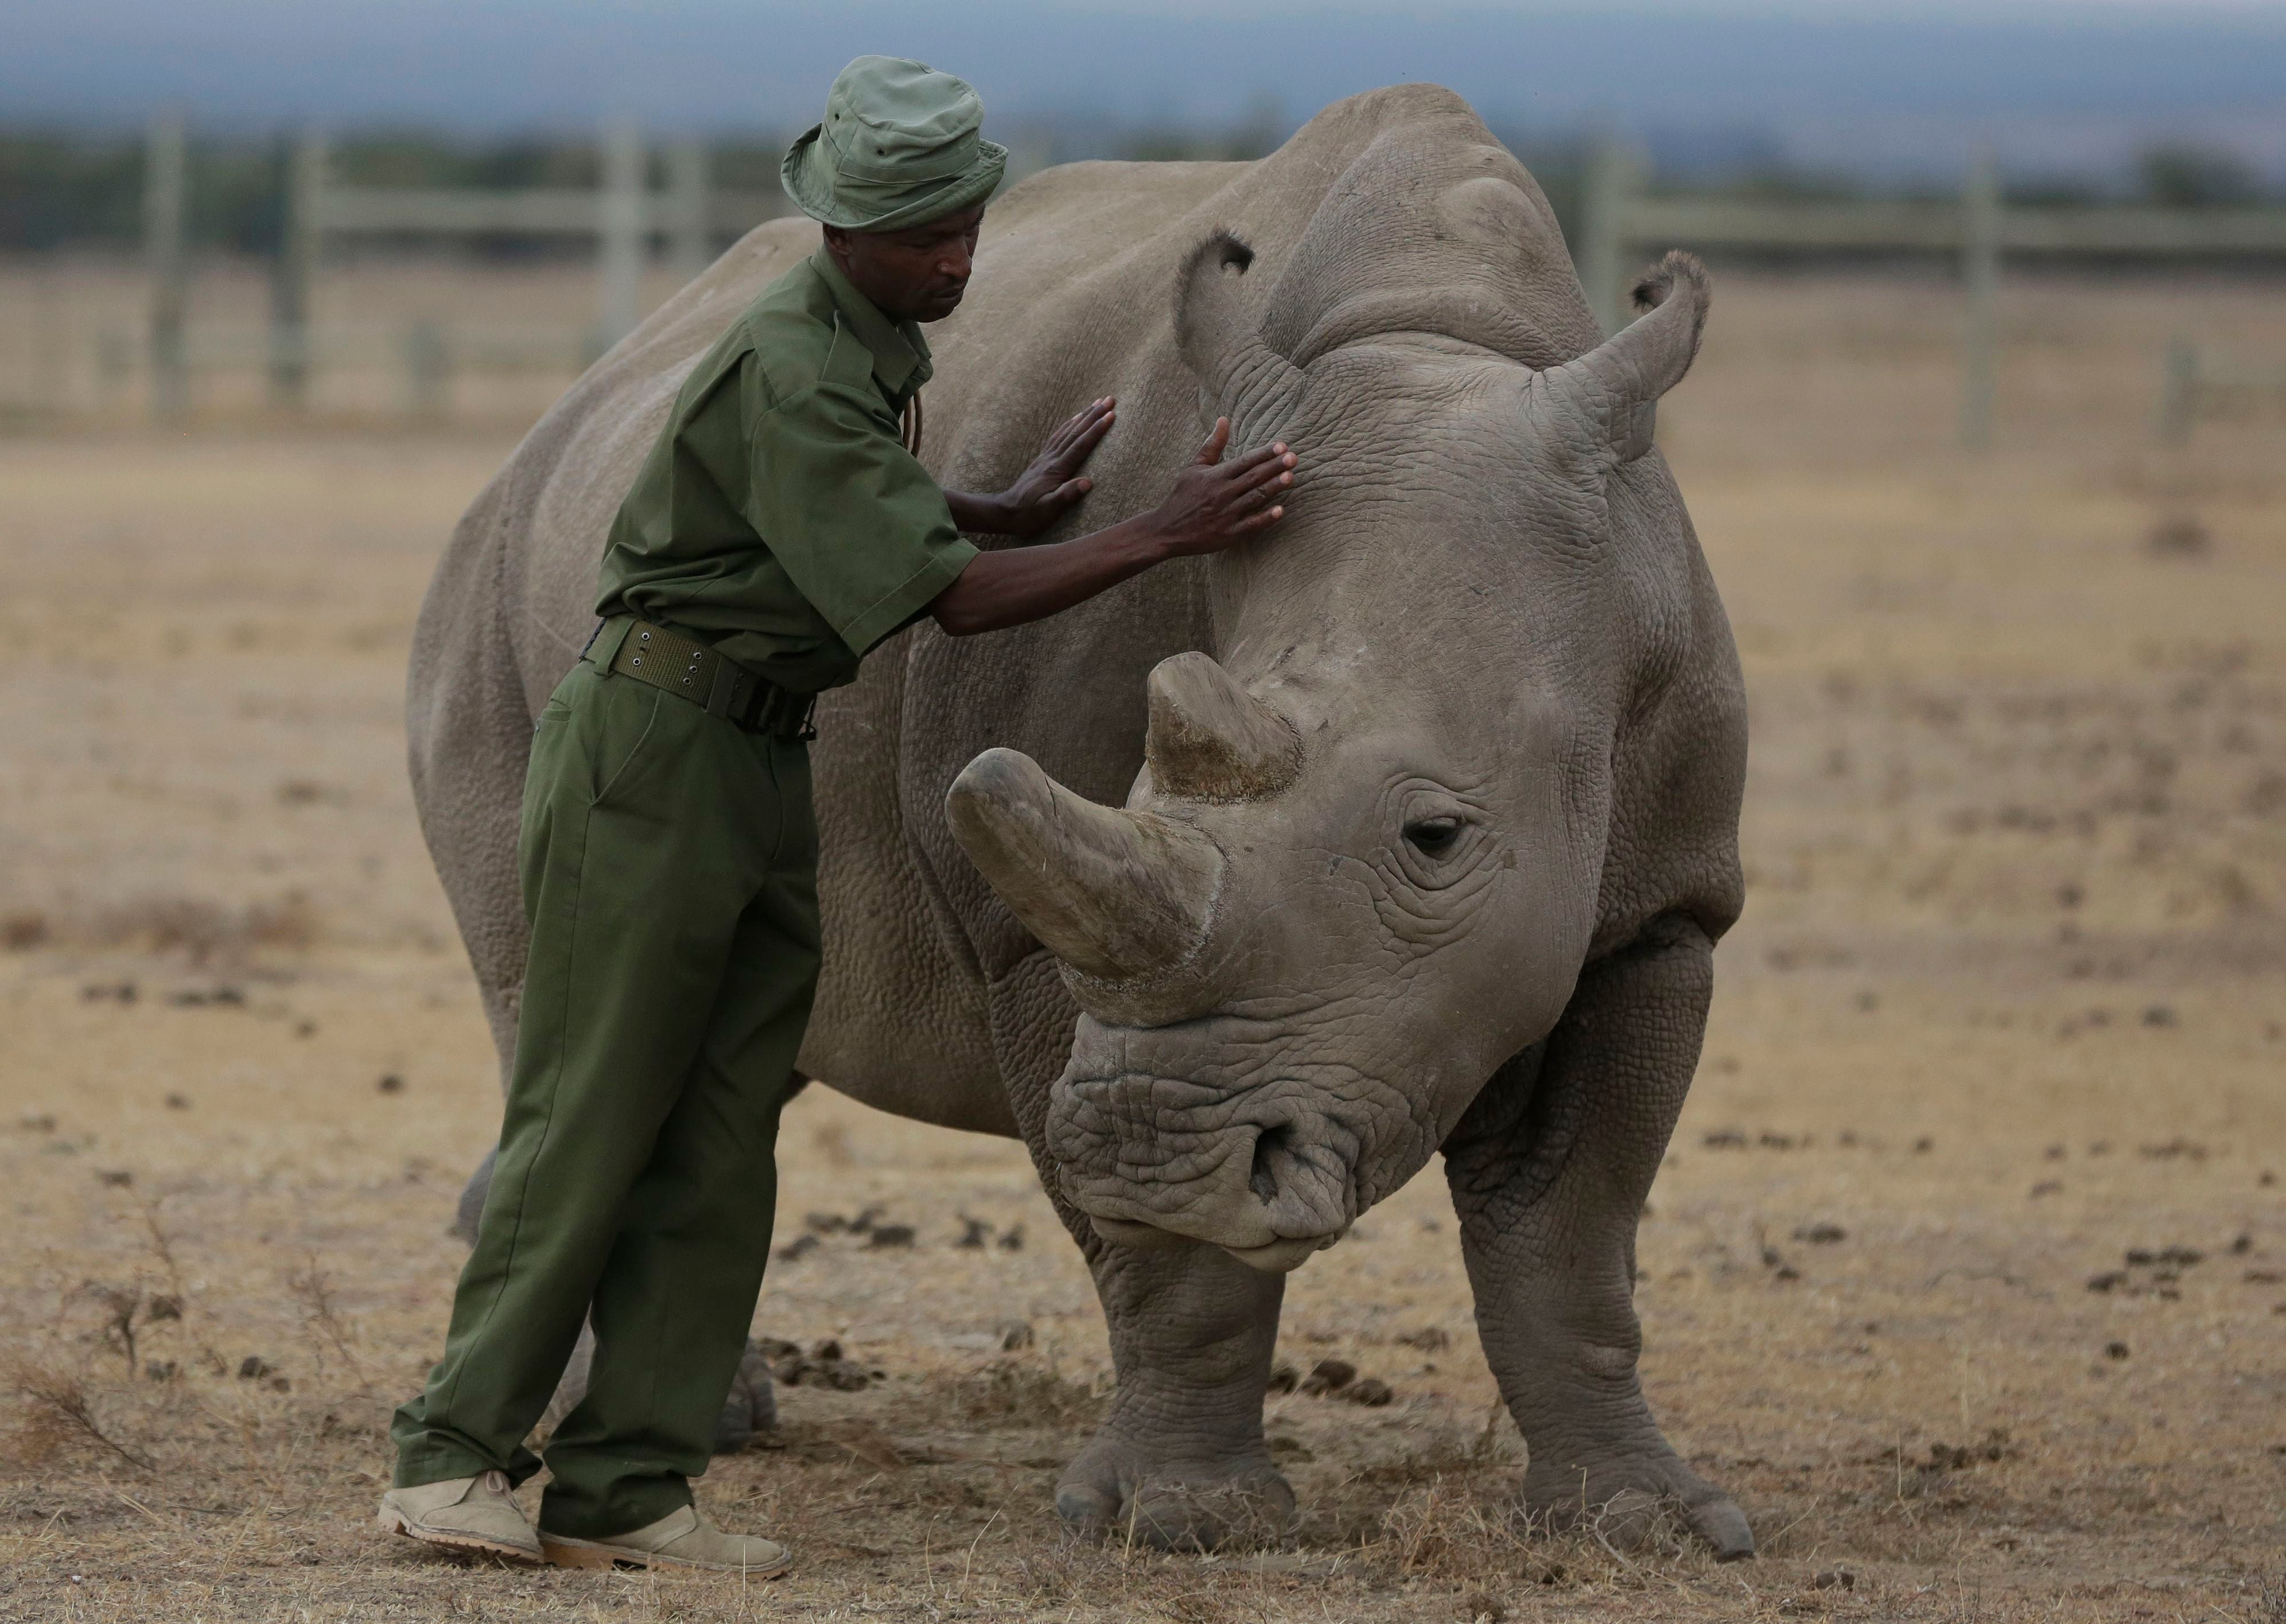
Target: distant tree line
59	191
72	190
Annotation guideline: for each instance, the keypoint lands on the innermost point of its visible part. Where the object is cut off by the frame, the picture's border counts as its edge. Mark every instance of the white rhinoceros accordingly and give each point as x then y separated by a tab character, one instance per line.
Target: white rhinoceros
1429	796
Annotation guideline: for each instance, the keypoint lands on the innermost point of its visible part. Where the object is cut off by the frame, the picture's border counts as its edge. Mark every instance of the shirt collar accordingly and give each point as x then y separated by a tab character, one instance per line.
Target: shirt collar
901	355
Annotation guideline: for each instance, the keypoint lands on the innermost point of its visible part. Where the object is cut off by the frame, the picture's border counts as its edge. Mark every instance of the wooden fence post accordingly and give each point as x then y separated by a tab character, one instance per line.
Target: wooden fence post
690	209
114	365
1613	177
620	217
165	196
428	369
295	273
2179	396
1979	272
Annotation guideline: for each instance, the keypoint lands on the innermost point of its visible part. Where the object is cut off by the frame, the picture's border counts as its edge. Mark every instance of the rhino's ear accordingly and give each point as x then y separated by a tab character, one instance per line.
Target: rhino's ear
1611	394
1245	379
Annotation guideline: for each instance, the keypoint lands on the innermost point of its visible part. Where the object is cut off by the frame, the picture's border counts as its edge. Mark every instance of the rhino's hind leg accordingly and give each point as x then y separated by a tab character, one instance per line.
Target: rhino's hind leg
1180	1462
1549	1172
750	1408
468	728
470	1207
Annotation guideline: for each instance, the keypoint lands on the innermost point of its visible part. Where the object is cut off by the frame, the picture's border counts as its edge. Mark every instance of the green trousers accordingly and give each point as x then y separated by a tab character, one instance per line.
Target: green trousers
669	862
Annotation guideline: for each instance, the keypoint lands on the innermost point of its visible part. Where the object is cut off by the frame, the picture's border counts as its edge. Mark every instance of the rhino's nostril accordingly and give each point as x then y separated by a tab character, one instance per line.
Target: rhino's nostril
1270	1147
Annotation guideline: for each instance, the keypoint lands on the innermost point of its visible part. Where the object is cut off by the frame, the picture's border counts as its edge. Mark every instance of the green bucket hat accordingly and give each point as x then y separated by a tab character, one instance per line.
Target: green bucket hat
899	148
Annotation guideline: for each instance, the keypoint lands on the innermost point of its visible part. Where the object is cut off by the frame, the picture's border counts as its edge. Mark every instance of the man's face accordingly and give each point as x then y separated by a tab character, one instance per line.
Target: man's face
917	274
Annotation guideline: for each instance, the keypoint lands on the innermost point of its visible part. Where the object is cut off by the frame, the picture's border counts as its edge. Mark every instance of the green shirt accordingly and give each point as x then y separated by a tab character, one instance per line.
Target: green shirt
779	516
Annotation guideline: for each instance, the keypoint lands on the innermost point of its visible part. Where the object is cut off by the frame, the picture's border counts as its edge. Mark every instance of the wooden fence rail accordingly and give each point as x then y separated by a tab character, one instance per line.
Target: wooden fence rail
623	216
2193	384
1621	221
561	212
429	355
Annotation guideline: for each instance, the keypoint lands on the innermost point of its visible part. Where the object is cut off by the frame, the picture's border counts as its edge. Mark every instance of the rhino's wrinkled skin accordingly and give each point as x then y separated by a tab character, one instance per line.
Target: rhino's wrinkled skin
1438	823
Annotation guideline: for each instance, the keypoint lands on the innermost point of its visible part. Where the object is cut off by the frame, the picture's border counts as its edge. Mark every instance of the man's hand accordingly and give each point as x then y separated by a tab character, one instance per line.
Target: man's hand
1052	484
1214	505
1217	504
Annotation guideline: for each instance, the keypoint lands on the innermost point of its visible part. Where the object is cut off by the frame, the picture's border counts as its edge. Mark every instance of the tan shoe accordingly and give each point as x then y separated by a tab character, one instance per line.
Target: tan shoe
680	1539
467	1513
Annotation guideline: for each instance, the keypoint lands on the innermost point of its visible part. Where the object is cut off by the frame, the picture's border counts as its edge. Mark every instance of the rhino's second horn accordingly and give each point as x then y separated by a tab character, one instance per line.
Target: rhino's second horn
1212	740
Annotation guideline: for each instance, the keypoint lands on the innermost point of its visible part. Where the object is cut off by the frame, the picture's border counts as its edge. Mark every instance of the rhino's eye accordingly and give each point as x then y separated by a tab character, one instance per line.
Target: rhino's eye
1433	837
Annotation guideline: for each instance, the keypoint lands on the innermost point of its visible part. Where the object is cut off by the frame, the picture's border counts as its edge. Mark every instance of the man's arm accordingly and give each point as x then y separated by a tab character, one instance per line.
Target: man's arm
1047	488
978	516
1214	505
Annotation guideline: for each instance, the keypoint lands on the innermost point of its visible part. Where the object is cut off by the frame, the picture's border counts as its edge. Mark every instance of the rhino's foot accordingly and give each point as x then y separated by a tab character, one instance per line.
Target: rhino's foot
1627	1497
1120	1490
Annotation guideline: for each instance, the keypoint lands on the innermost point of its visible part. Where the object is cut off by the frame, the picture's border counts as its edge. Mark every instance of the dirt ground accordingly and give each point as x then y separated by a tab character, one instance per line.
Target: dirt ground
1966	1273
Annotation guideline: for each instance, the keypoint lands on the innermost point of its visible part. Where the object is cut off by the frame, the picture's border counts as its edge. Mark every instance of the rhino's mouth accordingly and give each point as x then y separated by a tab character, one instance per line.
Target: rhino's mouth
1277	1257
1268	1173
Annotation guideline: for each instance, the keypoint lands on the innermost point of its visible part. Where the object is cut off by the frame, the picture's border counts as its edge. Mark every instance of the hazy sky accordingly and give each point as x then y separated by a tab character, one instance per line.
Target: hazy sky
1908	76
2070	11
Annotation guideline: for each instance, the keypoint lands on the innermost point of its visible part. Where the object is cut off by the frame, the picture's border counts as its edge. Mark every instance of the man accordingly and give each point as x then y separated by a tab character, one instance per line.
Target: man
779	531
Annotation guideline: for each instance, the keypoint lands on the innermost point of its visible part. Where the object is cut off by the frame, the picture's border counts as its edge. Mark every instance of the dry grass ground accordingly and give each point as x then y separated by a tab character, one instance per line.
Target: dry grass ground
2005	1010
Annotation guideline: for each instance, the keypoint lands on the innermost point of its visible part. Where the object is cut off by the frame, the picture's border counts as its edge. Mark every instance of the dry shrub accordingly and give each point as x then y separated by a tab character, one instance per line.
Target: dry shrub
1452	1452
120	1305
1011	1389
2272	1607
1441	1530
199	929
207	932
22	931
313	1292
59	1414
1200	1606
1058	1575
1432	1523
287	925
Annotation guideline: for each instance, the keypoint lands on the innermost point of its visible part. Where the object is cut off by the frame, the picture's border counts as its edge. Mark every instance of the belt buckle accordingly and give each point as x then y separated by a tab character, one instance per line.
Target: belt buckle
722	678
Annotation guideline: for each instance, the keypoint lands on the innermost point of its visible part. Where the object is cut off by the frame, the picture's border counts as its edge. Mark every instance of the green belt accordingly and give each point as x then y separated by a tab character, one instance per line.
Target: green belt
680	665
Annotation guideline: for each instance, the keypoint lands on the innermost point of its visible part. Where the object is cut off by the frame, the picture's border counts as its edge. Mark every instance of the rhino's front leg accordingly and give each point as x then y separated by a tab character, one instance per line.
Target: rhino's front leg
1549	1172
1180	1461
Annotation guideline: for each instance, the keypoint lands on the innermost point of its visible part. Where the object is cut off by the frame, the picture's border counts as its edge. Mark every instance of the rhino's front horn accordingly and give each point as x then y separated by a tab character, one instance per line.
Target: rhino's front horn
1212	740
1115	894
